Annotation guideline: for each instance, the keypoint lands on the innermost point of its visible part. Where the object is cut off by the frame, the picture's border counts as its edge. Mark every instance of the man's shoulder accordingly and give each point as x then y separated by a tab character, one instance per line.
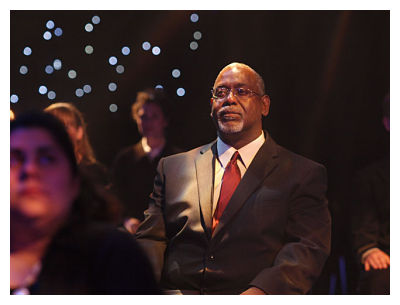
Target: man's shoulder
190	154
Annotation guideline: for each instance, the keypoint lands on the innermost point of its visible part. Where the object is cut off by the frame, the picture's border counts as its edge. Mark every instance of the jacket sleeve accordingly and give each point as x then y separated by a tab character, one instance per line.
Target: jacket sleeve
307	244
151	234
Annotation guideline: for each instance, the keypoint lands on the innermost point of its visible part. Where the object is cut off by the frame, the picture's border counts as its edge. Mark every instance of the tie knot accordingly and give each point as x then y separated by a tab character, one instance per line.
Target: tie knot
235	157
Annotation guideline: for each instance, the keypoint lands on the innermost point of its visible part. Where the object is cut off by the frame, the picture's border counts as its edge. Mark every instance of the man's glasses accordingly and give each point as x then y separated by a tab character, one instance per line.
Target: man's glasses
223	92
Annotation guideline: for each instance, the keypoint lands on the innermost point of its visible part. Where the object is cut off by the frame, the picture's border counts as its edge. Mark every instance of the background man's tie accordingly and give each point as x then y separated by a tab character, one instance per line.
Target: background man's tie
230	181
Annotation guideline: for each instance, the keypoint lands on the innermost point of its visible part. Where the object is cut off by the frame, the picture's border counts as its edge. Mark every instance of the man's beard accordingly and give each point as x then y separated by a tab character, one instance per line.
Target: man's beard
229	127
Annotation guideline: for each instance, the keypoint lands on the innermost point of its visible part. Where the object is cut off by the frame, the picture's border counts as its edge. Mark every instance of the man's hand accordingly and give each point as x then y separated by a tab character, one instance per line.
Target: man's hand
253	291
376	259
131	224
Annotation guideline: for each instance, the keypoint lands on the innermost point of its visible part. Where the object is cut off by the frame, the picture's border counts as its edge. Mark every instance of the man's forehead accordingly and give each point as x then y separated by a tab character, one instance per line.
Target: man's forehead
237	74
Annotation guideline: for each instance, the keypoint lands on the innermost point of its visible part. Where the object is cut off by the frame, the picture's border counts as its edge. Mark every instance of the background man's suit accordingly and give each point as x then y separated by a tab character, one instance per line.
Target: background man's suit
274	233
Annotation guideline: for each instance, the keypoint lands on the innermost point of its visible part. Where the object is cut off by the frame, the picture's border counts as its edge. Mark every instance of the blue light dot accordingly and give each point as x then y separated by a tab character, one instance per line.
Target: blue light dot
88	49
112	87
50	24
49	69
197	35
159	87
47	35
51	95
23	70
126	50
42	89
87	88
156	51
120	69
89	27
14	98
194	45
176	73
113	108
57	64
27	51
194	17
113	60
58	32
72	74
96	19
180	92
79	92
146	45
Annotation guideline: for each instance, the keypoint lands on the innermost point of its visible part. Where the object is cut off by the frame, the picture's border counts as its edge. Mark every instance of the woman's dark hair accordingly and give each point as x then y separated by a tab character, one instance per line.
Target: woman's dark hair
154	96
92	202
53	126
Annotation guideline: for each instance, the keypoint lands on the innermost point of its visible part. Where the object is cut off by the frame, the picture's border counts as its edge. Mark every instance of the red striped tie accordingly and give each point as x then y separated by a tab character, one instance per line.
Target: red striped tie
230	181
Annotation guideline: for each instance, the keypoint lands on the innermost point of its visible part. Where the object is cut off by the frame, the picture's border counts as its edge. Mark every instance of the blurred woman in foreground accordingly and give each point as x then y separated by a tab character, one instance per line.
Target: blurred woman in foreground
59	243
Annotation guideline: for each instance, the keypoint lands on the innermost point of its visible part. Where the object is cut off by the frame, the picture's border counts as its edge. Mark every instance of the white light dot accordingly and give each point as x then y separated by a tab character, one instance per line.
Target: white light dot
180	92
49	69
113	60
89	27
14	98
50	24
72	74
51	95
176	73
112	87
23	70
197	35
146	45
79	92
27	51
194	17
159	87
113	108
120	69
58	32
57	64
156	50
87	88
88	49
96	19
47	35
194	45
42	89
125	50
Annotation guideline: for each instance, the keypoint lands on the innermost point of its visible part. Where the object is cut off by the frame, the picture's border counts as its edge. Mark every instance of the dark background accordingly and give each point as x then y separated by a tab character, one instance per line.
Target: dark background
326	72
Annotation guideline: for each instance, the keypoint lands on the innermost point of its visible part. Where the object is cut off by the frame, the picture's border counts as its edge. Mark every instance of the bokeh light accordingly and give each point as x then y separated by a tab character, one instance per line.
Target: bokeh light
47	35
176	73
49	69
113	60
79	92
89	27
146	45
14	98
194	17
51	95
23	70
42	89
197	35
113	108
159	87
58	32
112	87
125	50
88	49
27	51
96	19
194	45
87	88
180	92
72	74
57	64
50	24
156	51
120	69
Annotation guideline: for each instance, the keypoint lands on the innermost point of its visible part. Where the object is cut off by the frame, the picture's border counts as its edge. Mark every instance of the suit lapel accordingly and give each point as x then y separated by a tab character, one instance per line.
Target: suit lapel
205	181
262	165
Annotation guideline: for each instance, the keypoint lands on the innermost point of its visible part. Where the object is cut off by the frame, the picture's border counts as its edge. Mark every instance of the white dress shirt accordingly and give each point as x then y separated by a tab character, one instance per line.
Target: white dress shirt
225	153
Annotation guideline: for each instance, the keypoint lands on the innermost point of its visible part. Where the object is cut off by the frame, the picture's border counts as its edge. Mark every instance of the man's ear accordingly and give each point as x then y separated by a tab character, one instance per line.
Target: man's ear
211	103
265	102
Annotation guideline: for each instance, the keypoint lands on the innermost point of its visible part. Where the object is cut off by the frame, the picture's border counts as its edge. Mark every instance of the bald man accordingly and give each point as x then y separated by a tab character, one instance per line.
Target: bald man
241	215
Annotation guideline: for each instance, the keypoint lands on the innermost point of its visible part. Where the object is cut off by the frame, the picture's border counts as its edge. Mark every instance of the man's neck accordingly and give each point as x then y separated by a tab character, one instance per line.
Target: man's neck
237	140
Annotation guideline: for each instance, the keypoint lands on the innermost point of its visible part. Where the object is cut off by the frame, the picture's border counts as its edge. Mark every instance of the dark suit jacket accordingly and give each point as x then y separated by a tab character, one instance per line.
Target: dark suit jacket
274	233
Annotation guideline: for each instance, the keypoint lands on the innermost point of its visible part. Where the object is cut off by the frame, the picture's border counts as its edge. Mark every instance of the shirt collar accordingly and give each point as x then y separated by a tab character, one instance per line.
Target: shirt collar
247	152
